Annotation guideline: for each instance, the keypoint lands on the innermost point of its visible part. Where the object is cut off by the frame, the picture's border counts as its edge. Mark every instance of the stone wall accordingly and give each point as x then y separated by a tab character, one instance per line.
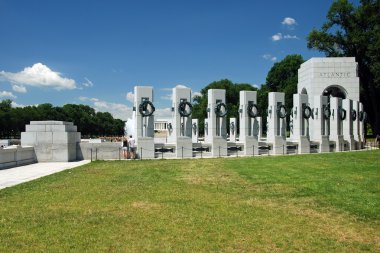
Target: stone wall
99	151
16	156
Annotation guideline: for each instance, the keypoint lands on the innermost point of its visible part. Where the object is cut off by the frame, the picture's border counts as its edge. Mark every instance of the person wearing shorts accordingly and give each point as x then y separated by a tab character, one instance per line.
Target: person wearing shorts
125	147
132	147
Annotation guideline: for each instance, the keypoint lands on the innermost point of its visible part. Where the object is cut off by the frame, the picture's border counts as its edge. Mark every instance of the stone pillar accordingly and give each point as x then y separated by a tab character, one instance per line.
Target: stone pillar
182	127
233	129
276	125
249	124
348	136
195	129
336	131
301	116
356	125
207	138
144	124
320	125
259	128
217	133
361	125
53	141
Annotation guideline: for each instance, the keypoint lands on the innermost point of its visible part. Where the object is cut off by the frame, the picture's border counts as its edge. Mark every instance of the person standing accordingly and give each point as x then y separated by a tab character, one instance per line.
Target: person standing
377	140
132	147
125	147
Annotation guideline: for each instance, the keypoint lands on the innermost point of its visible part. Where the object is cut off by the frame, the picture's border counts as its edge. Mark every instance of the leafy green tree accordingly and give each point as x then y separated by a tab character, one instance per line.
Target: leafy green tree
89	123
355	31
283	77
262	104
5	117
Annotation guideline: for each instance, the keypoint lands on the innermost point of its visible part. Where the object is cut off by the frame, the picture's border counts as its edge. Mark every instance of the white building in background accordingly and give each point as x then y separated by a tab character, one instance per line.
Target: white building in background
162	124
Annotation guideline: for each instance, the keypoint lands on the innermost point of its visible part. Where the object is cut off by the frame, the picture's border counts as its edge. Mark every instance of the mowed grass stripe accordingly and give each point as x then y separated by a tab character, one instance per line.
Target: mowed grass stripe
313	203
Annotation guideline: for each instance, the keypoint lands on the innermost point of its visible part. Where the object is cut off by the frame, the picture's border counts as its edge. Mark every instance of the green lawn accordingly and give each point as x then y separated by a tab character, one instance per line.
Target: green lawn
309	203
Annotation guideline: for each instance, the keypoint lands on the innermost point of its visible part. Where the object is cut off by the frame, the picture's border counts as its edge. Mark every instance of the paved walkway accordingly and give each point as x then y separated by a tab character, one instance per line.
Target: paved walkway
18	175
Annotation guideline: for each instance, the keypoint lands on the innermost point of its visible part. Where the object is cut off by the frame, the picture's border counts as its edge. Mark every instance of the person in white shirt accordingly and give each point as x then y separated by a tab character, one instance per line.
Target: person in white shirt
132	147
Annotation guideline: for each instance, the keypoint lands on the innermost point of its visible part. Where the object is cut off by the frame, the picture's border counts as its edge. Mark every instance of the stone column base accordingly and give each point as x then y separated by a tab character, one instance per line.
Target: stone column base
339	143
251	145
324	144
303	145
184	147
279	146
218	146
145	147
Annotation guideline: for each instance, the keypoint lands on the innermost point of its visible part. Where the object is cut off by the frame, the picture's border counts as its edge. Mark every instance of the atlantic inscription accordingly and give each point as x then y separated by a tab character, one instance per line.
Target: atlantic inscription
335	74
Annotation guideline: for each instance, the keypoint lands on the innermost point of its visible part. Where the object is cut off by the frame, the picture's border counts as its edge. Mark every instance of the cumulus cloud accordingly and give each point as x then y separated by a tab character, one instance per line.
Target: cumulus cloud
19	88
277	36
130	97
39	75
119	111
181	86
289	21
270	57
14	105
163	113
196	94
7	94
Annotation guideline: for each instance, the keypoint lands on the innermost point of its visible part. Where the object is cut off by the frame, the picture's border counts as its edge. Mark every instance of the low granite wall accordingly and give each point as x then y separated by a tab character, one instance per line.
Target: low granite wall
14	156
99	151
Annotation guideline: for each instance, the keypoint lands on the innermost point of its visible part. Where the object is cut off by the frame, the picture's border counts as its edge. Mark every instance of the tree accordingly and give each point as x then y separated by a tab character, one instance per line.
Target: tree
89	123
354	31
232	100
283	77
5	117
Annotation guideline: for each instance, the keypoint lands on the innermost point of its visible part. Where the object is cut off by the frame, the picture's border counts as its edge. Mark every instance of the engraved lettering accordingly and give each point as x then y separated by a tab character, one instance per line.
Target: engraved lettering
335	74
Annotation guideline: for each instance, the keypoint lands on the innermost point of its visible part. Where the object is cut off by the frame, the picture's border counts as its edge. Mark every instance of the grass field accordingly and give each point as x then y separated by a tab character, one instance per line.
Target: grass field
309	203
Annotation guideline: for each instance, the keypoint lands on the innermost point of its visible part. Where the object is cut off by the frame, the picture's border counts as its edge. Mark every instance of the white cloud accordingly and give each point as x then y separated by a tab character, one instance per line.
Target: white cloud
277	36
163	113
19	88
119	111
280	36
255	86
88	83
291	37
39	75
7	94
14	105
197	94
130	97
289	21
181	86
270	57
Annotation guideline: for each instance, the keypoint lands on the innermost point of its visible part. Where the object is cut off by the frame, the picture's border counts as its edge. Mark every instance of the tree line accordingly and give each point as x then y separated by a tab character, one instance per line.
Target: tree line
89	122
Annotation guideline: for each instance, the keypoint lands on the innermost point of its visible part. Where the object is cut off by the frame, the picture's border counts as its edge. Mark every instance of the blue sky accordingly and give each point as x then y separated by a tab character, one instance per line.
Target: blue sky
95	52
